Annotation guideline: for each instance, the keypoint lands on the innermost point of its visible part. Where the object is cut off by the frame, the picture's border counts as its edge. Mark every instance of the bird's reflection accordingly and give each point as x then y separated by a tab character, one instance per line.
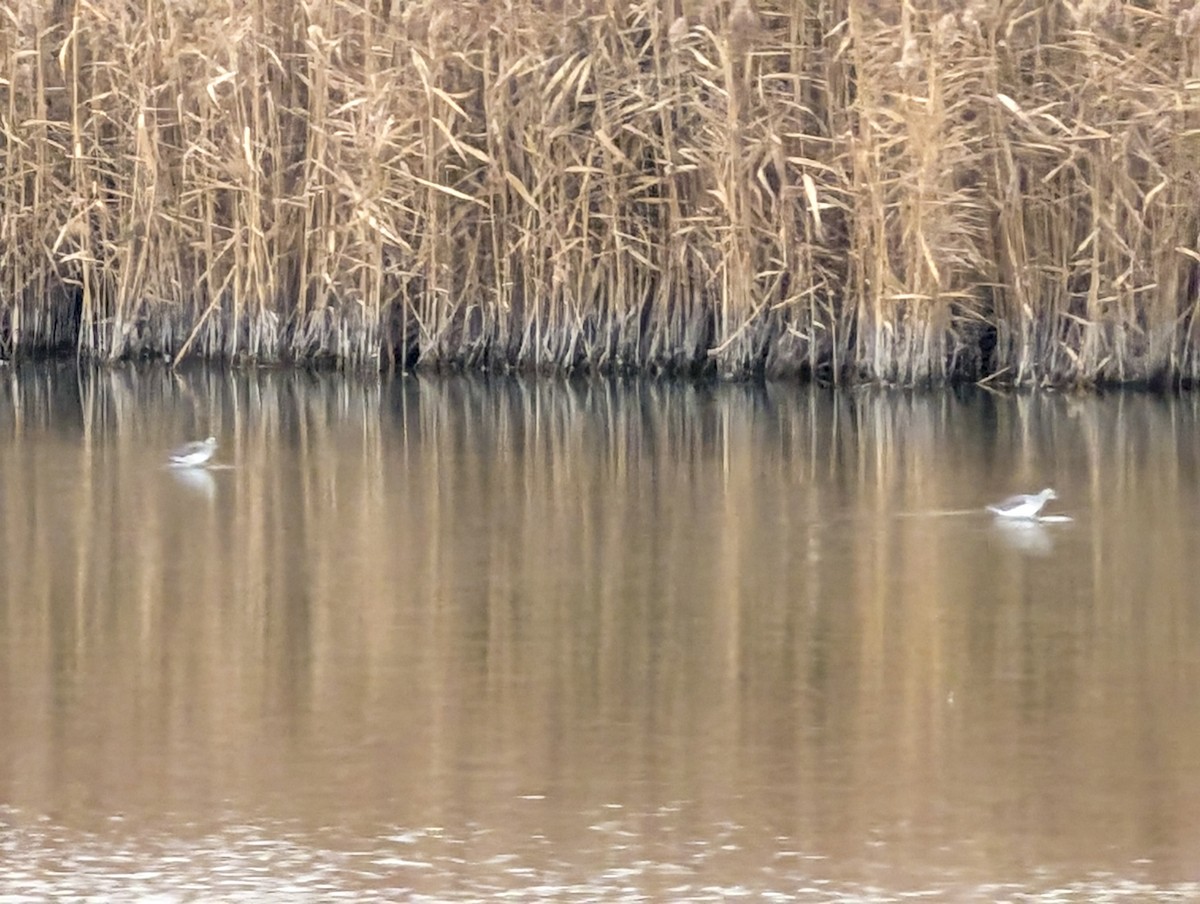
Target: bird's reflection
196	480
1025	535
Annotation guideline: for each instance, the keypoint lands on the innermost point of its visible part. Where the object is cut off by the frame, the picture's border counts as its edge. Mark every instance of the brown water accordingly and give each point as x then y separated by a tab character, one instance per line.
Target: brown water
451	639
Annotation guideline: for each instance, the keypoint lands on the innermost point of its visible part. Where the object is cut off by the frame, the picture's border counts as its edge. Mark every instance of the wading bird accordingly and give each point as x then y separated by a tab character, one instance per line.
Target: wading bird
191	455
1022	506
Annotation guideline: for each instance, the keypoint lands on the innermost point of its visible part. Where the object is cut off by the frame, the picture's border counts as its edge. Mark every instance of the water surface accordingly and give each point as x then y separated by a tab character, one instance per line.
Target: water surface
453	639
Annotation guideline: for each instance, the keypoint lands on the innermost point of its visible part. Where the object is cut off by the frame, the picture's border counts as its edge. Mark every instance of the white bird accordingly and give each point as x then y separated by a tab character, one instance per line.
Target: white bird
191	455
1023	506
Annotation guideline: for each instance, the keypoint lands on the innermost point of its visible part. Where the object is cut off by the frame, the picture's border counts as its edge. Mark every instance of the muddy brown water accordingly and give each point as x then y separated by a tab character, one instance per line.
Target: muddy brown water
454	639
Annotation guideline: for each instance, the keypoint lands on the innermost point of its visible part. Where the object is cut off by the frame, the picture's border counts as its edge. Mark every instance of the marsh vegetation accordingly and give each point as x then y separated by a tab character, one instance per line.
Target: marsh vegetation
908	191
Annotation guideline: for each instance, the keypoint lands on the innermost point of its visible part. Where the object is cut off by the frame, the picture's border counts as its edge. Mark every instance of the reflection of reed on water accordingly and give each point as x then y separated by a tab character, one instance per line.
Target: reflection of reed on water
400	577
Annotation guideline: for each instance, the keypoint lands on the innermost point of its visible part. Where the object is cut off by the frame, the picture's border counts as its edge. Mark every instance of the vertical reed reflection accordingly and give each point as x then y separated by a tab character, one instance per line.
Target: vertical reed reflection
419	601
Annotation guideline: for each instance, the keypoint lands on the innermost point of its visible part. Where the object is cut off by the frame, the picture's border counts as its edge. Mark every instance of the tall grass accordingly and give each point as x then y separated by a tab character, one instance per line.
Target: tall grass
906	191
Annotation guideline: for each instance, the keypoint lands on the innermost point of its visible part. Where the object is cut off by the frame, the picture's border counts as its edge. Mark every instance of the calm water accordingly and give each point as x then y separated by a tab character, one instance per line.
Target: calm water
453	639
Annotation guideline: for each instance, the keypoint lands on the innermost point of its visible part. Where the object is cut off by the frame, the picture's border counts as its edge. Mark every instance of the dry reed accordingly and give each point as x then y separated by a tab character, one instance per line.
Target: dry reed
905	192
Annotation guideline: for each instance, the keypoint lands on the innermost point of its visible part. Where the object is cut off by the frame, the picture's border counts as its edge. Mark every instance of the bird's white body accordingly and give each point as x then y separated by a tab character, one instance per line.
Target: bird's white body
192	455
1024	506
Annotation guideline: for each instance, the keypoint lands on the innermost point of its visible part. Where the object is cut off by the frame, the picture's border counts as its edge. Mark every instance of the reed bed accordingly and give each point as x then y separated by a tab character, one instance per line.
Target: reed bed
909	191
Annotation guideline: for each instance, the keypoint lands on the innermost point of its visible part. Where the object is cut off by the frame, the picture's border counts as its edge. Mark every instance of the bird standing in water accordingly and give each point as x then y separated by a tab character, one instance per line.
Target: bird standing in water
192	455
1025	506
